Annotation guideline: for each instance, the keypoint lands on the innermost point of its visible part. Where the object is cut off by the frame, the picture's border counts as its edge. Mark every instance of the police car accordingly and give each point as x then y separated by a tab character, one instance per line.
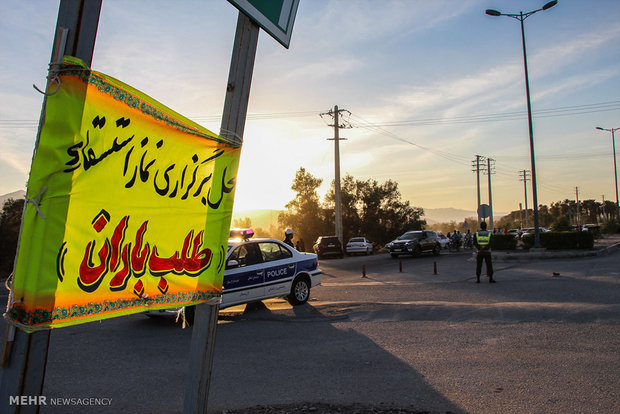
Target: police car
258	269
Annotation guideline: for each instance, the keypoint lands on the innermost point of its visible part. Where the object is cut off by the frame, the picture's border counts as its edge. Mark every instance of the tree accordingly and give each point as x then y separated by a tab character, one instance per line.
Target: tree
349	204
10	222
304	213
590	209
369	209
544	216
513	220
383	215
244	223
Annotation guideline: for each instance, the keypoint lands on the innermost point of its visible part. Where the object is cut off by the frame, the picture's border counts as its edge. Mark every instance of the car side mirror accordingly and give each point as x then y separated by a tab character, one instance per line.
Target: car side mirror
232	264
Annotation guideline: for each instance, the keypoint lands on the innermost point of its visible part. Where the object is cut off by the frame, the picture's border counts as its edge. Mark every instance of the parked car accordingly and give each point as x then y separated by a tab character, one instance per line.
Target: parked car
514	232
532	230
415	243
443	240
261	269
359	245
328	246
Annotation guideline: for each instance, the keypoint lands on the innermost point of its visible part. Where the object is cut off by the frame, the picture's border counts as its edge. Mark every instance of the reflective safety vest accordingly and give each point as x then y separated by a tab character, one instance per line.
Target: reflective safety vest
483	238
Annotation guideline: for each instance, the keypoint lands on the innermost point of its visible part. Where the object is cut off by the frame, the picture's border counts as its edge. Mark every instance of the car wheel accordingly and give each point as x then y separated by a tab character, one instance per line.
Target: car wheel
300	291
436	250
417	252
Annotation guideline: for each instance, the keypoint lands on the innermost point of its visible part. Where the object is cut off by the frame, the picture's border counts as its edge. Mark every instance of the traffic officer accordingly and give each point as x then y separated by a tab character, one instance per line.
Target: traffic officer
288	237
482	241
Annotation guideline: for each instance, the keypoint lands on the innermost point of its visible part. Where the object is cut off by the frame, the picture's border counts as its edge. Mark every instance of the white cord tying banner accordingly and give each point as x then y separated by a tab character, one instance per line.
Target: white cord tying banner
36	202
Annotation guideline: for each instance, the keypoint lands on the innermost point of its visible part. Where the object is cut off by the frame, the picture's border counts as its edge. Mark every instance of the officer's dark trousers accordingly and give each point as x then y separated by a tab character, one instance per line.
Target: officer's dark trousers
486	256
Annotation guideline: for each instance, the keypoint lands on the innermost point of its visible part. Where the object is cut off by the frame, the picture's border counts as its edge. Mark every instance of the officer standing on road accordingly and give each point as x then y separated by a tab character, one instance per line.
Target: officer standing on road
482	241
288	237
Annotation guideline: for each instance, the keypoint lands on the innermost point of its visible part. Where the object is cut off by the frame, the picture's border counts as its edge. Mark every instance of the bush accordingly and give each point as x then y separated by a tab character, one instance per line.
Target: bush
561	224
503	242
610	227
564	240
595	230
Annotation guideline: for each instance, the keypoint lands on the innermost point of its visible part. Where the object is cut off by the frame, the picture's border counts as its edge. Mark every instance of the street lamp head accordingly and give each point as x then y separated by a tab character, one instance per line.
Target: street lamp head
550	5
492	12
602	129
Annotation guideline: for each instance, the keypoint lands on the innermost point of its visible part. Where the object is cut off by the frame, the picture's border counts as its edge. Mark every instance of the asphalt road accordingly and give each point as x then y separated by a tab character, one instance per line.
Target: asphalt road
544	339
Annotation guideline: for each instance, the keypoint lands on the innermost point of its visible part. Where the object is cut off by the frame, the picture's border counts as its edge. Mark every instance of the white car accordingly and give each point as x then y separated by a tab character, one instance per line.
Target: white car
260	269
358	245
443	240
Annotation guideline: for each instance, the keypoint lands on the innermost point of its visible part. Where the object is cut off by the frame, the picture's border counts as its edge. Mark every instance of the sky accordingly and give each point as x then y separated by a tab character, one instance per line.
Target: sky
428	84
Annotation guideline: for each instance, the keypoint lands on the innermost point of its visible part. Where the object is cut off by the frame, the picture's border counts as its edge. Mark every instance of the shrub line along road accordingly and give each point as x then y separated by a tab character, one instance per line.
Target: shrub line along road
544	339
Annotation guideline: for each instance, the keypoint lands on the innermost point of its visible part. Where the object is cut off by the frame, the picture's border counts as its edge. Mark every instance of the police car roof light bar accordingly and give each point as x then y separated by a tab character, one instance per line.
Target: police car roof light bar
245	234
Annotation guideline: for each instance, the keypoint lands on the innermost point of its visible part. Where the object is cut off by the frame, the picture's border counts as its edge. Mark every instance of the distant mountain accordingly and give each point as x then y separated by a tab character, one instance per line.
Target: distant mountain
15	195
260	218
444	215
267	218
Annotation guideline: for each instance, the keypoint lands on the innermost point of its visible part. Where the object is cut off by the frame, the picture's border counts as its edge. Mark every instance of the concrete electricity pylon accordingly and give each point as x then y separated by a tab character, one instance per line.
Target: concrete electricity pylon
490	170
525	175
477	166
338	124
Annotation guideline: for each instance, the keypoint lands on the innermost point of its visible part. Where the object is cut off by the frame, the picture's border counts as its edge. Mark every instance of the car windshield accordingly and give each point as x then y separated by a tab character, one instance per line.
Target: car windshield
410	236
356	240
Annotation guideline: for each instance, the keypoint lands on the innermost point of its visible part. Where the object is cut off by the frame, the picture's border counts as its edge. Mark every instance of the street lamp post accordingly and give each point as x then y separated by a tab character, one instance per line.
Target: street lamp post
521	17
613	142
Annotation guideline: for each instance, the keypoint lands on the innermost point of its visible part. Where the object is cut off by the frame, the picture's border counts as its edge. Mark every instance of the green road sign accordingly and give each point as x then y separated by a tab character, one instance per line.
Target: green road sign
276	17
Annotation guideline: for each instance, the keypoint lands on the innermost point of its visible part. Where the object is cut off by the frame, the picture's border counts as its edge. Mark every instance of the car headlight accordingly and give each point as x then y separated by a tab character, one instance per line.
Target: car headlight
389	245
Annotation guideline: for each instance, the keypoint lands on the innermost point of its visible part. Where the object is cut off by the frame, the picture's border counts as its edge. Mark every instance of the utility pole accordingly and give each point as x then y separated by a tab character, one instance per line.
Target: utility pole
477	168
24	355
578	209
524	179
338	124
489	172
202	346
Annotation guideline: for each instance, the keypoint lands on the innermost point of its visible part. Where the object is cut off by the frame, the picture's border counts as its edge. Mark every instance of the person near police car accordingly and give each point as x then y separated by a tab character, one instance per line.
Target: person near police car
288	237
300	245
482	241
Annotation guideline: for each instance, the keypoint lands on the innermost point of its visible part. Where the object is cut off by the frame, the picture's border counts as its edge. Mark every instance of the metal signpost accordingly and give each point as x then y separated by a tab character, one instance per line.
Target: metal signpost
24	355
276	17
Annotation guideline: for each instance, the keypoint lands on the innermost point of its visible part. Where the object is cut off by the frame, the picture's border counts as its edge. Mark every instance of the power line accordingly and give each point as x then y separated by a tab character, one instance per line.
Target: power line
443	154
481	118
26	123
507	116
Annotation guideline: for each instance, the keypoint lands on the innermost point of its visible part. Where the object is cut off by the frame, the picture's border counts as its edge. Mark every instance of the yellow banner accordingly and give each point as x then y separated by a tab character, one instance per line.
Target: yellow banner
128	207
